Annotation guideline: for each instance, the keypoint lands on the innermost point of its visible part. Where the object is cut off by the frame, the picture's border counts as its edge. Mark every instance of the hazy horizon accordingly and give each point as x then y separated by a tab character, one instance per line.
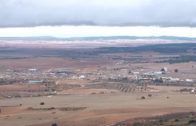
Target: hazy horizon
94	31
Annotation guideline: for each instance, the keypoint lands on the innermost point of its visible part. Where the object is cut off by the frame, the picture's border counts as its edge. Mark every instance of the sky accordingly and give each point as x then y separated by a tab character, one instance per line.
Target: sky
68	18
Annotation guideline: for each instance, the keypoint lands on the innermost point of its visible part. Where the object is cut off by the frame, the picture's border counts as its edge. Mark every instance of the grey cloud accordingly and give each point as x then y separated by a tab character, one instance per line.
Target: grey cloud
97	12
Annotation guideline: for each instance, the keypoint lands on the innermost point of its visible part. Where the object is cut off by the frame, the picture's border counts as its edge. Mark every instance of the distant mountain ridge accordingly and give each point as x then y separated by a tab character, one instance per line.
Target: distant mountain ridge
49	38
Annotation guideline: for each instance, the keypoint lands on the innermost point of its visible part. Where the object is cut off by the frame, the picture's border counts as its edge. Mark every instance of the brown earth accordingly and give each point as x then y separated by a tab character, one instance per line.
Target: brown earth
101	109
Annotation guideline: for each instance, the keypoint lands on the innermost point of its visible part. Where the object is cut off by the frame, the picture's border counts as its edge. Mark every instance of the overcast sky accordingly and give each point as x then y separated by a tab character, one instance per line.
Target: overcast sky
127	13
97	12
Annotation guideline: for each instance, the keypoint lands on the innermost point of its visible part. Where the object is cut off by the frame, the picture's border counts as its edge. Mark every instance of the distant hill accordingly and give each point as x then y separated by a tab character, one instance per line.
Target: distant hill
132	38
49	38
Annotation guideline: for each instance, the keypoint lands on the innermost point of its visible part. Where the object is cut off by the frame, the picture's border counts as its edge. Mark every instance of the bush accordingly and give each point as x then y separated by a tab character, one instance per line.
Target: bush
143	97
192	121
54	124
102	92
42	103
176	70
149	95
93	93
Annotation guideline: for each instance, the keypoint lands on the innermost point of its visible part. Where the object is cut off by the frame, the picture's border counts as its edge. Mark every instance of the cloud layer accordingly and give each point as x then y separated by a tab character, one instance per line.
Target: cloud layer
22	13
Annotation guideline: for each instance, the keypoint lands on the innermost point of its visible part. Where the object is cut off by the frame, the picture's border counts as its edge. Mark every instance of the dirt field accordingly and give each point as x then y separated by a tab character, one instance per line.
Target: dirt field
101	109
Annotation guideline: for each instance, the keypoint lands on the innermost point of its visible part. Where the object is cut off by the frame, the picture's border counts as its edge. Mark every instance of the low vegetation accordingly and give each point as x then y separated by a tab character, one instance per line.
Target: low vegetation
58	108
178	119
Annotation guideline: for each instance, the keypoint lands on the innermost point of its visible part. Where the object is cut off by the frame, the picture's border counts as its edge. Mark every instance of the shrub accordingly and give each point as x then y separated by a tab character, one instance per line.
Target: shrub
102	92
192	121
42	103
54	124
176	70
93	93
